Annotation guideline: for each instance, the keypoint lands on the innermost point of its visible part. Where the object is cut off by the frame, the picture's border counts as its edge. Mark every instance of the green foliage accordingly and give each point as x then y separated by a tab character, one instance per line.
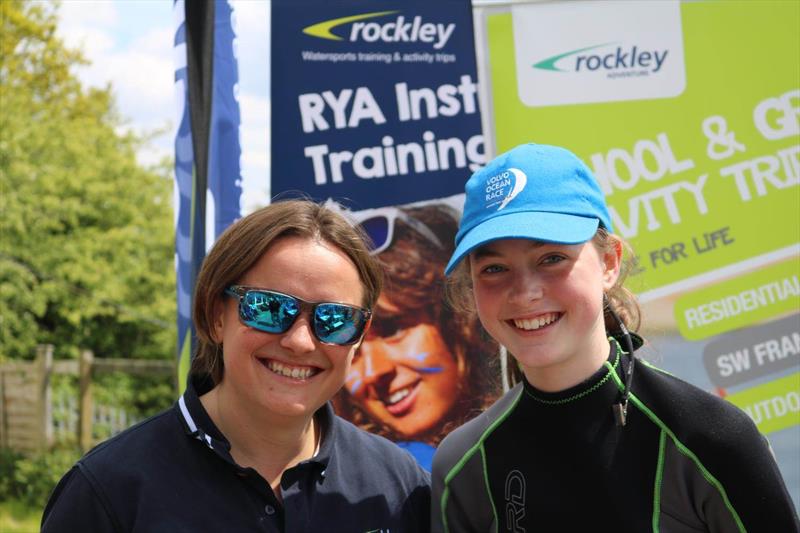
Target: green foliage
86	237
16	517
30	480
140	396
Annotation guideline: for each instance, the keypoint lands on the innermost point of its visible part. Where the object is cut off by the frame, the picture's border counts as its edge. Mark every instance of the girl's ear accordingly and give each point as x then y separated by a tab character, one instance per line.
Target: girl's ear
612	260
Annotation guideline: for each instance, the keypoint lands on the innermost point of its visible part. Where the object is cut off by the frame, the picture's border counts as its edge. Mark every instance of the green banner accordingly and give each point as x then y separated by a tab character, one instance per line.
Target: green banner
695	182
772	406
740	302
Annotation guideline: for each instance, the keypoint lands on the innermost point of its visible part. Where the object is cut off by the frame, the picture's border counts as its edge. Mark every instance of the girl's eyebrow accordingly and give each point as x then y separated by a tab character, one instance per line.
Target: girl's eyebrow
483	252
487	250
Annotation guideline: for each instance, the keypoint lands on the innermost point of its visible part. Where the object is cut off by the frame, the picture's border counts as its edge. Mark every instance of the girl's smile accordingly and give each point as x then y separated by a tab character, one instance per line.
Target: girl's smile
535	323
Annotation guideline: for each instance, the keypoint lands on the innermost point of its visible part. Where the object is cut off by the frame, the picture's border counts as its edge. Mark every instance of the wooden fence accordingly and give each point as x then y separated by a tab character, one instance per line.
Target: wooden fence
26	403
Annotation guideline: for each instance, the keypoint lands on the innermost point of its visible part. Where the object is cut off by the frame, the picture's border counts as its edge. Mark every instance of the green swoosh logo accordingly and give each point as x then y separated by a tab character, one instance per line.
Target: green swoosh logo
550	62
323	29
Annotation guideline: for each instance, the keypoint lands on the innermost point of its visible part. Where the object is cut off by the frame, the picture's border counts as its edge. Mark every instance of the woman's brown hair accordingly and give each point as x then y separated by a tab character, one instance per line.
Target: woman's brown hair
243	244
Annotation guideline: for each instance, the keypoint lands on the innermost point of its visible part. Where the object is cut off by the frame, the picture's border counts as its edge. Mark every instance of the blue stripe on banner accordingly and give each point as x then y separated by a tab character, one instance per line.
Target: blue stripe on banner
224	173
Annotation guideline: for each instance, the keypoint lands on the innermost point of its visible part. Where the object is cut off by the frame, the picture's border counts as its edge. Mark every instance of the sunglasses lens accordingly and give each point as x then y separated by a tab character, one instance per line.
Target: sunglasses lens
378	230
268	311
338	324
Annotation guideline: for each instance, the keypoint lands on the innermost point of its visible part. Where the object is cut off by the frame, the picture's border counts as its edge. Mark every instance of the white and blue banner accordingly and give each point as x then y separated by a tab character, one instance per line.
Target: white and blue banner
373	103
207	151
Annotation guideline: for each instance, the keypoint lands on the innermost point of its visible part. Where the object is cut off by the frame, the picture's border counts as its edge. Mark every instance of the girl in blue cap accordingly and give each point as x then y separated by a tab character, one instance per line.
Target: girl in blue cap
579	444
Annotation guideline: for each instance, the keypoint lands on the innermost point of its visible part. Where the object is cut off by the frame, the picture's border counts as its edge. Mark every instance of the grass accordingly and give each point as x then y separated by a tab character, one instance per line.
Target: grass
16	517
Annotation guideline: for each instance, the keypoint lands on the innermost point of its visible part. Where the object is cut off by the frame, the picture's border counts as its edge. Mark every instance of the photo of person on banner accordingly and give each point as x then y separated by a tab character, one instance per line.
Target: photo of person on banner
422	370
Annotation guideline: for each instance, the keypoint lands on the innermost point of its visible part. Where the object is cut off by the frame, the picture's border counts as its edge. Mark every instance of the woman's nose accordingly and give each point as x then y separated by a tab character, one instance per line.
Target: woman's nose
299	338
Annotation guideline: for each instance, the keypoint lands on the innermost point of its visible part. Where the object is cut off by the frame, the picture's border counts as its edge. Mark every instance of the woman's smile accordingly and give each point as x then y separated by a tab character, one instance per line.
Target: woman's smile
295	372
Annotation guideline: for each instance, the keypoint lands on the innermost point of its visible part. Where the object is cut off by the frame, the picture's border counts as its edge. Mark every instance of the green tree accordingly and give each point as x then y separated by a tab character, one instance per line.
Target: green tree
86	236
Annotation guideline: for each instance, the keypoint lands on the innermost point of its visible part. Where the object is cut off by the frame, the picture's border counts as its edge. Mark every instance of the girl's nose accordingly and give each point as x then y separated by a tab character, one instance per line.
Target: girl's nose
527	287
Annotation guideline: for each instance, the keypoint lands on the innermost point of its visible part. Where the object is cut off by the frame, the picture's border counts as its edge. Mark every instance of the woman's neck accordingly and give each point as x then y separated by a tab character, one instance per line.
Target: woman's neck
268	444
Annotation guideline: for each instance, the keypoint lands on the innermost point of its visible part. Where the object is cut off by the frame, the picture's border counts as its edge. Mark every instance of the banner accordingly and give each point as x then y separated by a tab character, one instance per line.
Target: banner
375	109
207	151
374	103
691	130
688	113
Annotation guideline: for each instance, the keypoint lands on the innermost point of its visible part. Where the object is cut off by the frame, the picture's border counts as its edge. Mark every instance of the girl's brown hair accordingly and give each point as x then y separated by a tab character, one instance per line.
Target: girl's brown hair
243	244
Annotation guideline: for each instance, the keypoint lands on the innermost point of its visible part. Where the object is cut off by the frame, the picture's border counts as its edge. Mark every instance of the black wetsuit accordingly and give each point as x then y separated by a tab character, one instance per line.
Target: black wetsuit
685	461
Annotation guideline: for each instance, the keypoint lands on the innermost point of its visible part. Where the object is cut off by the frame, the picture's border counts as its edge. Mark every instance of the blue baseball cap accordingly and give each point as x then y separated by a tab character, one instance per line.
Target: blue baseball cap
534	191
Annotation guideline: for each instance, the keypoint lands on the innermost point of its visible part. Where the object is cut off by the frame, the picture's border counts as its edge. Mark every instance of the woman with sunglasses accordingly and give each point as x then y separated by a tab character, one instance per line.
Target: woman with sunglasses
281	306
421	370
583	443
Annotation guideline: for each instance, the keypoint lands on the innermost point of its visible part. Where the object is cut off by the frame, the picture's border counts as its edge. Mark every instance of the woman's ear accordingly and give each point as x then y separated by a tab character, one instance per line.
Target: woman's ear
218	323
363	335
612	260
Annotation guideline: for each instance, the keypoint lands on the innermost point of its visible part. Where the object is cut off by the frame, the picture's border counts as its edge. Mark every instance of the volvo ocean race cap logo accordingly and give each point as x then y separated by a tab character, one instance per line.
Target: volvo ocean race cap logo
612	59
398	30
504	187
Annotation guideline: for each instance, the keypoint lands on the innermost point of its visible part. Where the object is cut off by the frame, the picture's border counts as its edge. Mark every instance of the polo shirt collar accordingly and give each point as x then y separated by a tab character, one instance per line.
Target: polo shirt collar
199	425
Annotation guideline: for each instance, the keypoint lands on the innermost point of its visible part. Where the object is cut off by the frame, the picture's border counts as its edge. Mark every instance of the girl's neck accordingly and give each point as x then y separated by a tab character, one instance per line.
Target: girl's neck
268	444
574	370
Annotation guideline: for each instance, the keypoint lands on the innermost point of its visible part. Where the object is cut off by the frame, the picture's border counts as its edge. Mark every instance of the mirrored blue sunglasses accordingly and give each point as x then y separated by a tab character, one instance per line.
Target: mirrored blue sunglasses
275	312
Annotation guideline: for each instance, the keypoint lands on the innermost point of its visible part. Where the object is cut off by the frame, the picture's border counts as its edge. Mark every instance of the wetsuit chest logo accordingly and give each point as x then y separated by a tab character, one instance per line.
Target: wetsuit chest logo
515	501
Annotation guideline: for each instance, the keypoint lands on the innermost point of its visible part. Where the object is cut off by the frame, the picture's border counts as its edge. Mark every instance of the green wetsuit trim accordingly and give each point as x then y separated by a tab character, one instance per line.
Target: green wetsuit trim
478	446
596	386
488	489
685	451
651	365
662	445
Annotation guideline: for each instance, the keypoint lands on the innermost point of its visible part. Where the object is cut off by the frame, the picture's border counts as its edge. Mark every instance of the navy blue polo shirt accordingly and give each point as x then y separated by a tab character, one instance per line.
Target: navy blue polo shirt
174	472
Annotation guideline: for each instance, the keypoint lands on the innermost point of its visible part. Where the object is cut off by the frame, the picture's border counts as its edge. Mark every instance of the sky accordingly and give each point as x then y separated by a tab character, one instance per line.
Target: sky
129	45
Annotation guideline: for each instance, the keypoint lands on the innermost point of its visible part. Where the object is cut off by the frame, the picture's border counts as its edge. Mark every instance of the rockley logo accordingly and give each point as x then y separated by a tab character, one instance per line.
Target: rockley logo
504	187
400	30
611	58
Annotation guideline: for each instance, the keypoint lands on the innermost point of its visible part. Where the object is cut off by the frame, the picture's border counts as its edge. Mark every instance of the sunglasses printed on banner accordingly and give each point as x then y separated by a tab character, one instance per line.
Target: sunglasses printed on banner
275	312
379	225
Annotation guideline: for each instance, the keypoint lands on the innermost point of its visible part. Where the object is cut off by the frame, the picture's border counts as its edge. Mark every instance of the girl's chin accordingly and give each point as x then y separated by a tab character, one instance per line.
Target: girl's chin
536	360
